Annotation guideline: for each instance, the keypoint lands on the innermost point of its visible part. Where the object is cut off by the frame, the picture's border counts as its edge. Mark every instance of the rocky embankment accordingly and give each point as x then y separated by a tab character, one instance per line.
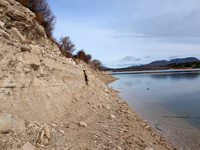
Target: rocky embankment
46	103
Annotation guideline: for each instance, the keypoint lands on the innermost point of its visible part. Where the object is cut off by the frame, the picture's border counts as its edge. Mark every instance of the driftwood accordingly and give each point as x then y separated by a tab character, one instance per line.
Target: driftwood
156	126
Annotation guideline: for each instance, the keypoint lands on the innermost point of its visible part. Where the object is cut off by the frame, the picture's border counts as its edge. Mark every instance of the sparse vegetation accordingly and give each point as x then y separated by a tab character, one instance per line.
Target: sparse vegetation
67	47
46	18
195	64
43	14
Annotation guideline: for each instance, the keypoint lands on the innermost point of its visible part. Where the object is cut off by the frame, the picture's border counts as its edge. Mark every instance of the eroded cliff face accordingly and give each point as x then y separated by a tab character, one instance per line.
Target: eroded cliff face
36	82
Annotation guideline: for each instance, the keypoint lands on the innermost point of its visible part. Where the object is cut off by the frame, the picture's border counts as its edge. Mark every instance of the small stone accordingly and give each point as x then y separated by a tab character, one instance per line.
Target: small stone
54	125
25	48
26	70
82	124
27	146
45	141
1	24
147	148
40	136
46	131
17	35
61	131
112	116
106	106
147	127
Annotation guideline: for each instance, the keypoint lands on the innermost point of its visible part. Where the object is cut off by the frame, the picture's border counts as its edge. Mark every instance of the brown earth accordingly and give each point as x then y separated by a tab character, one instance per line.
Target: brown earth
46	103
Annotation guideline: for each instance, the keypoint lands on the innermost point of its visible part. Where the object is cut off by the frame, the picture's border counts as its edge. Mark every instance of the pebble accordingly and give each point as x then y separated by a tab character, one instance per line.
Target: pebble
61	131
27	146
82	124
147	148
112	116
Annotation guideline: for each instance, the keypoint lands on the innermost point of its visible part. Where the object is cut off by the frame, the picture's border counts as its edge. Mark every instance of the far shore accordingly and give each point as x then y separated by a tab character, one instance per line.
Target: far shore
153	71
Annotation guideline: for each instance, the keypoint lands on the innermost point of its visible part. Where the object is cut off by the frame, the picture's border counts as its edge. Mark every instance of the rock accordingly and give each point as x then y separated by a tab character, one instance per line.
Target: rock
54	125
112	116
9	123
61	131
82	124
17	35
5	34
106	106
147	148
46	131
1	24
40	136
119	148
25	48
26	69
3	3
45	141
27	146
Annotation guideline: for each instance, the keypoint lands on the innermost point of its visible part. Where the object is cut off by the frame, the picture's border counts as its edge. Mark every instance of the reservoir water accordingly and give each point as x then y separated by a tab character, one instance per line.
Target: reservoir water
170	101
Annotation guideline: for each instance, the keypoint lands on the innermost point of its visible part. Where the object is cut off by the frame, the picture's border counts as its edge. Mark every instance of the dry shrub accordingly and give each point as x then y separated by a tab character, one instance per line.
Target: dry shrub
43	14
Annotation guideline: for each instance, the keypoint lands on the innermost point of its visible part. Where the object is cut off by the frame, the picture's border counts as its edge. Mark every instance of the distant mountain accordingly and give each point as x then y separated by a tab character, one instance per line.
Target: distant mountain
160	64
172	61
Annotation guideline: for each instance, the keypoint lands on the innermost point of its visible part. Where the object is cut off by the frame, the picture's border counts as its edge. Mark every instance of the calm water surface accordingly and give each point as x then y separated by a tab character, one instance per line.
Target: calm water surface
169	101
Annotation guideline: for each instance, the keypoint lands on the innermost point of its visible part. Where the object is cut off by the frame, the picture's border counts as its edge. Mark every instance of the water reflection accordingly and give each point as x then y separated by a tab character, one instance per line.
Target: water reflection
175	76
169	94
130	83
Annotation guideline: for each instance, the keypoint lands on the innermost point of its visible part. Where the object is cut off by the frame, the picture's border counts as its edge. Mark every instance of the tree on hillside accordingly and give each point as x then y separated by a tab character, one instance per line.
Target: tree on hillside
43	14
97	64
81	55
88	58
66	46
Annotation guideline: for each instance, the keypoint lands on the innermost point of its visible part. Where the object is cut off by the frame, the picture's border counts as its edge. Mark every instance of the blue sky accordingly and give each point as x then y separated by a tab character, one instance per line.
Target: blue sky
122	33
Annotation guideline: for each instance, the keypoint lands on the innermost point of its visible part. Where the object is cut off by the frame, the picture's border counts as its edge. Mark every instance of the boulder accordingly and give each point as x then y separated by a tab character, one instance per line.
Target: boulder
14	32
9	123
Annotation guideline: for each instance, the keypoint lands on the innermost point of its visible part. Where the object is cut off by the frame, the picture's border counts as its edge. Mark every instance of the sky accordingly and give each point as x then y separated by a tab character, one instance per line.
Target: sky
123	33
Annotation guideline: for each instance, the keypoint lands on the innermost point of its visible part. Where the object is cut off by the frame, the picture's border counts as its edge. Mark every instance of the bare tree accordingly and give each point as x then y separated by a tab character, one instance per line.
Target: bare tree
66	46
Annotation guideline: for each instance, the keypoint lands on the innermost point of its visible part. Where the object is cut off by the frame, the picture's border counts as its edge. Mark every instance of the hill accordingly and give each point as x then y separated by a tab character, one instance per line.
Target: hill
172	61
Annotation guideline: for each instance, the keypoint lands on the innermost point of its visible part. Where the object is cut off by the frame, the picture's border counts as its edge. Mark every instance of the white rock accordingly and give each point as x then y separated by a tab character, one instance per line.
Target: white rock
112	116
46	131
9	123
106	106
82	124
27	146
1	24
45	141
147	148
17	35
61	131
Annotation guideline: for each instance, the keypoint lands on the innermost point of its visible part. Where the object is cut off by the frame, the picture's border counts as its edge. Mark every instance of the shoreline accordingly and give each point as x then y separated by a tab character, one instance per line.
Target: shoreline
154	71
96	119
